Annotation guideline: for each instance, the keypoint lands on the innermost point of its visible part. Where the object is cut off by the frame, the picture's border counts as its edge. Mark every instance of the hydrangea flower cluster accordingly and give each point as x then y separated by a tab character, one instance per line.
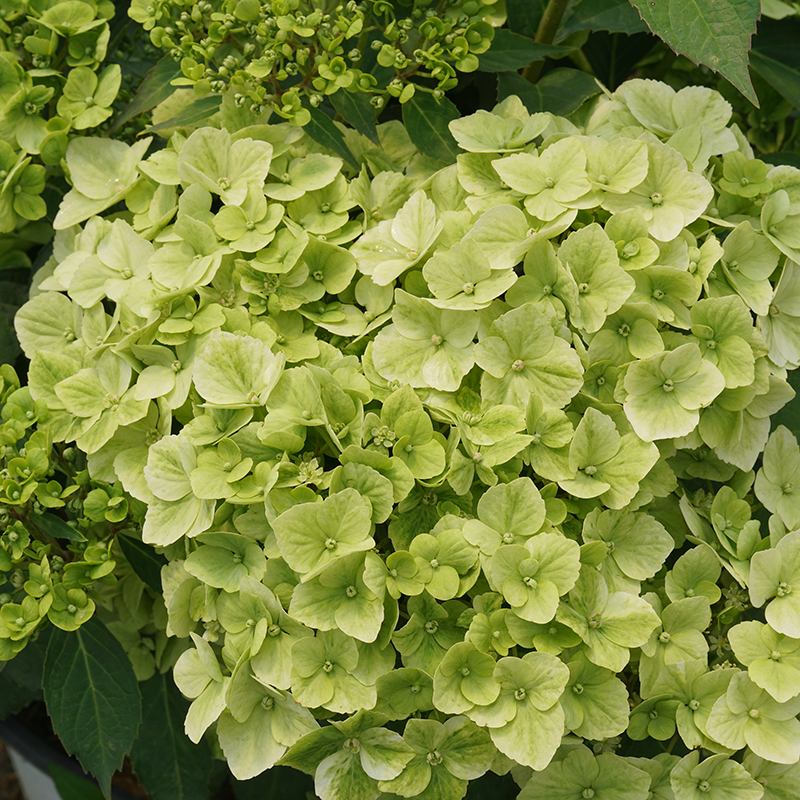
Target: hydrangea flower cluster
64	542
459	467
279	54
57	80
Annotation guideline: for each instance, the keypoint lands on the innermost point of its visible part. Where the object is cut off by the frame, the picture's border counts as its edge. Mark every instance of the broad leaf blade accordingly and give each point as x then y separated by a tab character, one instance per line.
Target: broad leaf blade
356	110
776	57
199	111
145	561
426	121
278	783
166	761
776	159
154	89
92	698
615	16
57	528
322	130
9	347
712	32
561	91
613	56
789	415
21	678
71	786
510	51
524	15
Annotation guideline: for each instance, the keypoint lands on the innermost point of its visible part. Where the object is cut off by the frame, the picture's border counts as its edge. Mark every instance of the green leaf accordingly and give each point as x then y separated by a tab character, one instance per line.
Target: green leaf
92	698
145	561
278	783
57	528
789	415
9	347
322	130
560	92
510	51
708	32
616	16
200	110
155	88
169	765
426	121
524	15
776	159
71	786
21	678
357	110
775	57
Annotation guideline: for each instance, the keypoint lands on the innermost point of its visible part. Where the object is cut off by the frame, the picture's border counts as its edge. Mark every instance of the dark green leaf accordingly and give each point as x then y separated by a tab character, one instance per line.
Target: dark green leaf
9	347
145	561
322	130
776	159
118	25
616	16
776	56
712	32
356	110
278	783
369	60
21	678
789	415
199	111
154	89
14	259
426	121
560	92
613	56
14	294
492	787
71	786
510	51
168	764
524	15
57	528
137	68
92	698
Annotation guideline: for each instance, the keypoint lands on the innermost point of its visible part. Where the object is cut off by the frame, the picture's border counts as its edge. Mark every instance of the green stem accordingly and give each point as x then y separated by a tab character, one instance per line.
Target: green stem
580	61
545	34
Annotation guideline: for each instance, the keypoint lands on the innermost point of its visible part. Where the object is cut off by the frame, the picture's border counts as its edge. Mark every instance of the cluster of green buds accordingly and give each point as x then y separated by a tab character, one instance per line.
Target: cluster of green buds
57	526
281	53
59	78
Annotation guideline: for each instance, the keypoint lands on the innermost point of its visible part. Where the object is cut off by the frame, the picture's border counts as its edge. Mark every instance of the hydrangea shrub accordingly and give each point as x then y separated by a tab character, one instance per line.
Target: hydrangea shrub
456	468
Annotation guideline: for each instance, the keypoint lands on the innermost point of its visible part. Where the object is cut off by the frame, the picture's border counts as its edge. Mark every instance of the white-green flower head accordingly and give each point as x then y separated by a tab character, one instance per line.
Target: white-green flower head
666	392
